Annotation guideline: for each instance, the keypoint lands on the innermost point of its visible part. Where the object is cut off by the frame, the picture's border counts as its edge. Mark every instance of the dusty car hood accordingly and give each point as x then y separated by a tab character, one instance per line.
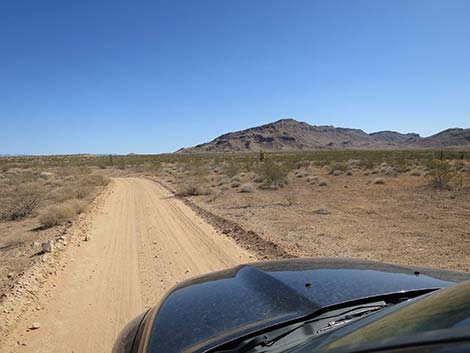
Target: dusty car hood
209	310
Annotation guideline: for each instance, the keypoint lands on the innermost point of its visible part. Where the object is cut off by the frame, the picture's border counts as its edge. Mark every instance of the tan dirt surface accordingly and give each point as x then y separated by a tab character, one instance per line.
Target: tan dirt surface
141	242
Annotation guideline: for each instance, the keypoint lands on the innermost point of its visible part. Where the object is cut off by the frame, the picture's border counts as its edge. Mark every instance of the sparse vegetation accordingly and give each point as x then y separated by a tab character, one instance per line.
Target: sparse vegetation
322	182
191	188
247	188
235	183
29	191
442	175
20	201
378	181
61	213
272	174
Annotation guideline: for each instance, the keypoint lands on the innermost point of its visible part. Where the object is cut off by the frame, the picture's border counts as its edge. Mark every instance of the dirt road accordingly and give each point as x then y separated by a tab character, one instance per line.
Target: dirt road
142	242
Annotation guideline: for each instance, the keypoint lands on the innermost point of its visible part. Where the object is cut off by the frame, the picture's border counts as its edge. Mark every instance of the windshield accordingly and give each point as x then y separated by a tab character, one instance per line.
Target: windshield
445	309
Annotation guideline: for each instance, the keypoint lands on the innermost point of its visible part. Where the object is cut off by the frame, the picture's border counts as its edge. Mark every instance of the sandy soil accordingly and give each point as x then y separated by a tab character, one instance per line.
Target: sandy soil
404	221
141	241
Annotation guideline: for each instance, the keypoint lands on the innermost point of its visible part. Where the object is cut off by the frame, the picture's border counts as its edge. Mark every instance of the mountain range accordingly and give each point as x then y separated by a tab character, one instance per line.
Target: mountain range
293	135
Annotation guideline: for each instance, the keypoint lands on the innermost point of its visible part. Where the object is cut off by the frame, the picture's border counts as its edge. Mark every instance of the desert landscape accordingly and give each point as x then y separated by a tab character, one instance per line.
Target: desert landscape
85	234
234	176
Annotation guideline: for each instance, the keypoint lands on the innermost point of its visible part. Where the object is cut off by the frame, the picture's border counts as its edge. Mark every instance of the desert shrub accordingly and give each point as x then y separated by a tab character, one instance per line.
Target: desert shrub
223	181
416	172
339	168
20	202
82	192
378	181
258	179
235	184
235	178
322	182
349	172
300	173
94	180
272	173
60	213
388	171
191	188
246	188
337	172
459	165
312	179
366	164
78	206
441	174
231	169
303	164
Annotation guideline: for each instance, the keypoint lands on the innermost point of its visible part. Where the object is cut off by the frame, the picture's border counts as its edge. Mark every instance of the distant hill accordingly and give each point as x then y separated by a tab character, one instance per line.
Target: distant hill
455	137
293	135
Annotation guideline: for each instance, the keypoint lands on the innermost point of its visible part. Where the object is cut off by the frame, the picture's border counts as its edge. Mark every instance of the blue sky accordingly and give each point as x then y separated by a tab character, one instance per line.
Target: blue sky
153	76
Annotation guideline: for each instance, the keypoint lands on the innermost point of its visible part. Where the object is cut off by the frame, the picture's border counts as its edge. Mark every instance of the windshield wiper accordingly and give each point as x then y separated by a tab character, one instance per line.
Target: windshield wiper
312	327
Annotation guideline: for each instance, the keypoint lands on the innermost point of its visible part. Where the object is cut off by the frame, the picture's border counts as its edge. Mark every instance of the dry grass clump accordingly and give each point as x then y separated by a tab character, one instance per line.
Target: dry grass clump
339	168
246	188
231	169
416	172
388	171
20	201
235	184
76	187
337	172
258	179
322	182
300	173
192	188
378	181
61	213
223	181
235	178
312	179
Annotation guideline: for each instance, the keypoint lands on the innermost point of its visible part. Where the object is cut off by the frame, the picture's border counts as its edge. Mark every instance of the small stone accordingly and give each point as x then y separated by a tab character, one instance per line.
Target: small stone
47	246
35	326
321	211
10	275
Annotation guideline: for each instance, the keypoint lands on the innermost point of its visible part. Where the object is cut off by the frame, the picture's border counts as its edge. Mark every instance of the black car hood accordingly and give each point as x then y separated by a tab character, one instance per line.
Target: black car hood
210	310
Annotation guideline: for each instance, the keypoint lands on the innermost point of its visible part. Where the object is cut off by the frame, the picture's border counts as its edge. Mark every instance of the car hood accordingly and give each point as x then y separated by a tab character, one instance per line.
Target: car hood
207	311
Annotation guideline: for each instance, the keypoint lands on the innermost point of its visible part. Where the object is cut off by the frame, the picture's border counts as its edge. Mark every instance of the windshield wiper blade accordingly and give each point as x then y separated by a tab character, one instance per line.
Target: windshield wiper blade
315	326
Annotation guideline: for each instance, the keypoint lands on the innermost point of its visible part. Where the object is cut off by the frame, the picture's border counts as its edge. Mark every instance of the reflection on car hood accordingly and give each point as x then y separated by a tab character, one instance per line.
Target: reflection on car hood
212	309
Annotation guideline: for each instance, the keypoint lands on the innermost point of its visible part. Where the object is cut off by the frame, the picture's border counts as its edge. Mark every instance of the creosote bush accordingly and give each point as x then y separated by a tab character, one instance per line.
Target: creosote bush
272	173
192	188
441	175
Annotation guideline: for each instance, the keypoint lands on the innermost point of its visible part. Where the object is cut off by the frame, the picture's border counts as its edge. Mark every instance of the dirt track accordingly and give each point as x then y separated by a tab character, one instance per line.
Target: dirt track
143	241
